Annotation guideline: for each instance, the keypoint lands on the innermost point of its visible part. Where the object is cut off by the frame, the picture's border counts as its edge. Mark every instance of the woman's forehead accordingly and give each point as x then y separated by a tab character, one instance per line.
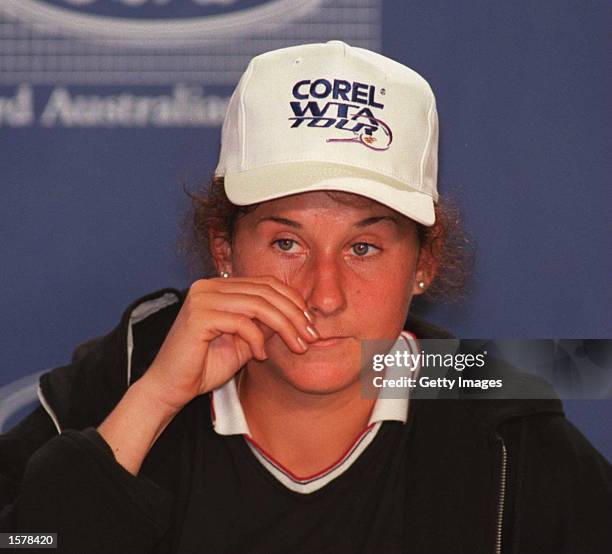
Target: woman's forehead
338	201
324	210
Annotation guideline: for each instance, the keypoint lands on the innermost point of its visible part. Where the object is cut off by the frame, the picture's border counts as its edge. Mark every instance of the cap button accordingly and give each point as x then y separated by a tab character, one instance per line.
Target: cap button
338	42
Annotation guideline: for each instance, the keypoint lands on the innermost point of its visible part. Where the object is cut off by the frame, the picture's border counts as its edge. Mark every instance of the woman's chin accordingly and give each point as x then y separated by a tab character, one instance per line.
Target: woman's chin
318	373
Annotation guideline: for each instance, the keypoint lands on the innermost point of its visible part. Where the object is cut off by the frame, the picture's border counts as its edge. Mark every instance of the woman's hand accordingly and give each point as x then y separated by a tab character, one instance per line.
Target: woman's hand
222	324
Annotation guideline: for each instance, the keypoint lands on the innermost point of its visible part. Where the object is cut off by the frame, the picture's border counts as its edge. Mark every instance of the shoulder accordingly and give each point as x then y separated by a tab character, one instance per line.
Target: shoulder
525	412
560	487
81	393
561	451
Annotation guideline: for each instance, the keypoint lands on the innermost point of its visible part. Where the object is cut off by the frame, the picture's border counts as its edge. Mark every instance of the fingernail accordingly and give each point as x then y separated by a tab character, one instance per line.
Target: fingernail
313	332
308	316
302	343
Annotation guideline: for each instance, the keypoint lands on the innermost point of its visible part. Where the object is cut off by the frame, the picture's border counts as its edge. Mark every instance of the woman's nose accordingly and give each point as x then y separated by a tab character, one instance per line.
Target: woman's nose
326	293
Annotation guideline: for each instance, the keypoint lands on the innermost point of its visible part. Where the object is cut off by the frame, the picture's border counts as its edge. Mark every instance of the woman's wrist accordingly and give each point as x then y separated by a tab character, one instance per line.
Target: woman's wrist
153	396
135	424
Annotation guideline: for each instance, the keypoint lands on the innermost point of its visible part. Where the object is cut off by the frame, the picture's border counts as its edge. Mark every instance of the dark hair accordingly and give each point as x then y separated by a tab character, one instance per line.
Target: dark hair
445	241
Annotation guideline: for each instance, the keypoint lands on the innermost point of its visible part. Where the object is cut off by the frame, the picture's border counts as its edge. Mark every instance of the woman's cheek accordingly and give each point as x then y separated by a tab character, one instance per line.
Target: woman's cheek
379	269
288	269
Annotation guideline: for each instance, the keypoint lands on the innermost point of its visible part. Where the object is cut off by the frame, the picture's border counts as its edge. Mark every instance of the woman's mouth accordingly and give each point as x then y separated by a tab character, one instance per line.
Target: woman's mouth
327	342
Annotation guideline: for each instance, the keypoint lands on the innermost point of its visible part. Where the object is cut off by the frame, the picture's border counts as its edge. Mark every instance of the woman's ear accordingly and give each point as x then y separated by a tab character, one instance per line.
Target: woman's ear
427	268
221	250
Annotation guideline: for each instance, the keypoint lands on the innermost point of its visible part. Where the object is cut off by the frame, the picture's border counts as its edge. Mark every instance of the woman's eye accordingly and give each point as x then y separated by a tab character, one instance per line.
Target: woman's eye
363	248
284	244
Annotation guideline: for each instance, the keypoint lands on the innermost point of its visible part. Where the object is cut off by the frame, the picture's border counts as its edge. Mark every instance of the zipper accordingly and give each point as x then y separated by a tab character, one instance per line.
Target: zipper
502	496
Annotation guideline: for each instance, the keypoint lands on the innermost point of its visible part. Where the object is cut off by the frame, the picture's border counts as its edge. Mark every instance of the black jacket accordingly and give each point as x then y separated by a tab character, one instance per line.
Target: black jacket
510	476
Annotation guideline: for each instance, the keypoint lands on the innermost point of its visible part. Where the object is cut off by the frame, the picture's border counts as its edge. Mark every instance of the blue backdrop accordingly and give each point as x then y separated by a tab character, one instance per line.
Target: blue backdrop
90	169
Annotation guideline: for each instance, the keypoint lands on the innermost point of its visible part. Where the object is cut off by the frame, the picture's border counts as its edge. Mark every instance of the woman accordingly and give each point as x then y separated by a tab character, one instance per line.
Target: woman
231	418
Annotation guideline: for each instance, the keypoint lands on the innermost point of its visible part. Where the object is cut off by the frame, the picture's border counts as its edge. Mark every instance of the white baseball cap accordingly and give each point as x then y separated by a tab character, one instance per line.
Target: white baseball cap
332	117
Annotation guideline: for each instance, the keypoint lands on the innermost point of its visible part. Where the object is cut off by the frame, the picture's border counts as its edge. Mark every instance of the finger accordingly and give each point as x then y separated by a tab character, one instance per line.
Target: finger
275	284
219	322
306	329
260	308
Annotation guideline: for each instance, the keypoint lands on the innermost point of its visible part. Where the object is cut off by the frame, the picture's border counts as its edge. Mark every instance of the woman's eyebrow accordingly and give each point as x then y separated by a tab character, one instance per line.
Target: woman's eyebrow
376	219
281	220
363	223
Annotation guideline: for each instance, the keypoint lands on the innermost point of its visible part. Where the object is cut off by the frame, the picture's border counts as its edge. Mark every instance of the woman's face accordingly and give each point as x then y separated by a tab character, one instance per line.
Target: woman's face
354	262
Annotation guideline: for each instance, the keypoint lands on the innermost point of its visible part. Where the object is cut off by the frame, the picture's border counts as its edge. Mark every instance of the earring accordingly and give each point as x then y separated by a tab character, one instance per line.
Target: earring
421	284
224	274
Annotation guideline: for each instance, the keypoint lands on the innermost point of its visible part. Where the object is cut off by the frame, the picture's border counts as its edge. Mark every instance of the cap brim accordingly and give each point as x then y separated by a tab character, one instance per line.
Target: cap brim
278	180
